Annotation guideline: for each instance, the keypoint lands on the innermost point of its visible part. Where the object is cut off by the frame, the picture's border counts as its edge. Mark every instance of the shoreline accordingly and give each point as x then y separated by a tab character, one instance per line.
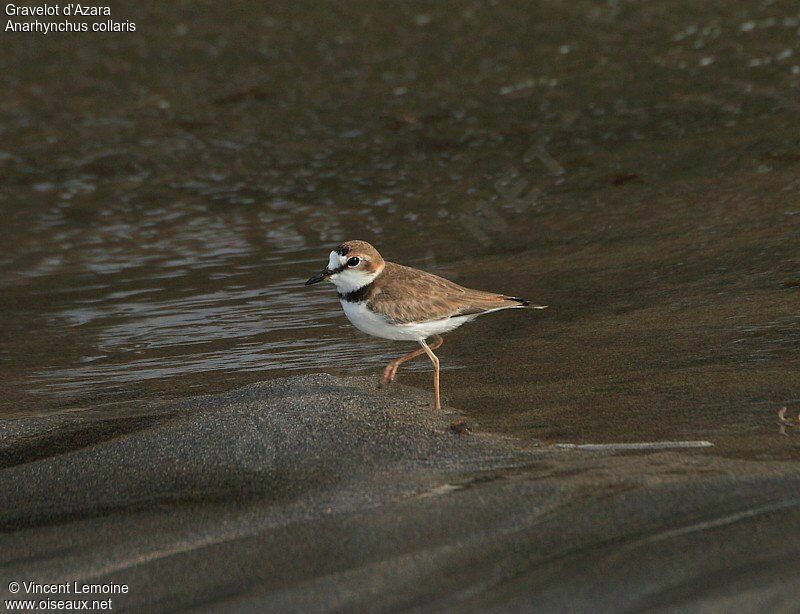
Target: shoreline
316	491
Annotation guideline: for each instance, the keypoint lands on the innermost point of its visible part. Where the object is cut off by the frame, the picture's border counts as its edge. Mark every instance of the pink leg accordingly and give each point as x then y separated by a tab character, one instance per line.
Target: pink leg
437	404
390	371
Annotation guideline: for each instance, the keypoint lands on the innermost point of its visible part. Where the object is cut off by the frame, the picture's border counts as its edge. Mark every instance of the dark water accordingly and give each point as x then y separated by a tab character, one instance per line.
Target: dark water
633	165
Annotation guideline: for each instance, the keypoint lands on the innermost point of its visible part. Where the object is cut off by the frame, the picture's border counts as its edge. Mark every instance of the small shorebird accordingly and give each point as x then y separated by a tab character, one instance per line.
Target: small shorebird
397	302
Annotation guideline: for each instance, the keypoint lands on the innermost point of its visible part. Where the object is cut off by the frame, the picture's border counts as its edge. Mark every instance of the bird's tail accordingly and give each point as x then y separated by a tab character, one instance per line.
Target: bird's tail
527	304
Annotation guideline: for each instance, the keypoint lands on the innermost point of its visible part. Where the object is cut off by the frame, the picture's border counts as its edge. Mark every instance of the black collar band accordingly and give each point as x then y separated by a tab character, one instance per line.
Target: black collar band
356	296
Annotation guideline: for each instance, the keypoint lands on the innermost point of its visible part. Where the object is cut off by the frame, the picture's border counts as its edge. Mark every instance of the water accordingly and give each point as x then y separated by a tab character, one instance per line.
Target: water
165	194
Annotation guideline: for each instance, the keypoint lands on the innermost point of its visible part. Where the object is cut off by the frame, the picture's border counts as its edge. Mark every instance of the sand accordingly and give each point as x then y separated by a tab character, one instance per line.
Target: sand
318	493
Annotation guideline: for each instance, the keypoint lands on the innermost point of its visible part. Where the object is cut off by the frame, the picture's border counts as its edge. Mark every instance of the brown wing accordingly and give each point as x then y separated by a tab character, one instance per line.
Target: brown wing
405	295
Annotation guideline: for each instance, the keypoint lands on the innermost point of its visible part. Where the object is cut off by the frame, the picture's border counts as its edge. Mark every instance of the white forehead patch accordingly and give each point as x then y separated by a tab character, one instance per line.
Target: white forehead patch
335	261
348	279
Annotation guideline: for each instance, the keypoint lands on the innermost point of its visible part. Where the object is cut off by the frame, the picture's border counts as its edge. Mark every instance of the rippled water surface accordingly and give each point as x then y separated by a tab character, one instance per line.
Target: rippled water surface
633	165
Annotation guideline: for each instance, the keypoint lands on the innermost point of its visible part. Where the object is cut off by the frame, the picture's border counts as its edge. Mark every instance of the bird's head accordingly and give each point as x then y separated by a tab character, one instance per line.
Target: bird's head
352	265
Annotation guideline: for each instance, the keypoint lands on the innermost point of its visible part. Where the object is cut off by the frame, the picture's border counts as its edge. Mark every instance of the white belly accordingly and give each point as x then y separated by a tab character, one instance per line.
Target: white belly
376	325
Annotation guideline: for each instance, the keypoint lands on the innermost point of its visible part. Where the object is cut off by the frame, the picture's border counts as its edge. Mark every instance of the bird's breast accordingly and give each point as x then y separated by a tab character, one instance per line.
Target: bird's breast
366	320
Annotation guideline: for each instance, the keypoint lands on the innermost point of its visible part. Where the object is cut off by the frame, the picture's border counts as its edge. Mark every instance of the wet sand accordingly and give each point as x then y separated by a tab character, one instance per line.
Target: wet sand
319	493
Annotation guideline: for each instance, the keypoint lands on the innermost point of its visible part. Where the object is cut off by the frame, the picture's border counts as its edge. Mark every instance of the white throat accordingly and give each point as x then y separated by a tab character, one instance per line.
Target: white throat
350	280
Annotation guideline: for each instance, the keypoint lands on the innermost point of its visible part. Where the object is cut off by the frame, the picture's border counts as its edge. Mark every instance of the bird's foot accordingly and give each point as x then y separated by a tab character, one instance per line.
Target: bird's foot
388	376
783	421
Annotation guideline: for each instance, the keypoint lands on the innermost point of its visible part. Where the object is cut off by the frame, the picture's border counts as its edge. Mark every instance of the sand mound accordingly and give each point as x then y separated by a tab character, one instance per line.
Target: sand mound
272	440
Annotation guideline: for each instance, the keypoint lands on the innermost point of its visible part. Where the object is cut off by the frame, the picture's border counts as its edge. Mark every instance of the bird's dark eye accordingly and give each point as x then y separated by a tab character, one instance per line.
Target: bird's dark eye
353	262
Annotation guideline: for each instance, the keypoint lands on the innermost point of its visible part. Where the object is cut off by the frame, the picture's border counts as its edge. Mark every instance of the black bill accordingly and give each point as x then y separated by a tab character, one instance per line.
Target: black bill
322	275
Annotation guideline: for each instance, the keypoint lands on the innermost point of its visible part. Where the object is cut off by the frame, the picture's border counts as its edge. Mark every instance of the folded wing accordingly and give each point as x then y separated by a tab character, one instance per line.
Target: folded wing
408	295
